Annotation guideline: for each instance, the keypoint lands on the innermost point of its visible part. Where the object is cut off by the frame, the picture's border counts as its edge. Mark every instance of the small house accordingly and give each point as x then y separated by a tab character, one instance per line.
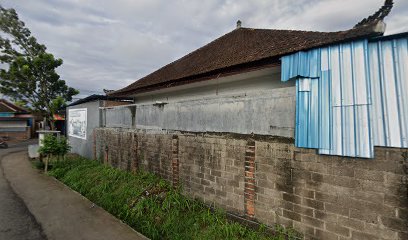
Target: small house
82	117
15	122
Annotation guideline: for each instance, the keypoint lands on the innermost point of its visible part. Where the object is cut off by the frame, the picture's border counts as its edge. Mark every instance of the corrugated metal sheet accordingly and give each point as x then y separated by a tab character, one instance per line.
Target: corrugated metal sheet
306	64
388	62
335	112
307	107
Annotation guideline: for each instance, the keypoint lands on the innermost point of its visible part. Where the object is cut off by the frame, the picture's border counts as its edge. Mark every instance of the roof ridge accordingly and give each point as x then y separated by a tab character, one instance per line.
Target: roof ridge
379	15
295	30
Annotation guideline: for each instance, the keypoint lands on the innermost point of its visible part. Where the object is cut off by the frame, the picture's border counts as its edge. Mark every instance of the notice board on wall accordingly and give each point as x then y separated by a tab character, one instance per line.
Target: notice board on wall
77	123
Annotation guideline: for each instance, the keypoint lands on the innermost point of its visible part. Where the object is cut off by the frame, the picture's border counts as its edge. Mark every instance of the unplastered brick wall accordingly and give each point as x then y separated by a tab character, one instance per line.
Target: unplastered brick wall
132	150
329	197
212	169
268	180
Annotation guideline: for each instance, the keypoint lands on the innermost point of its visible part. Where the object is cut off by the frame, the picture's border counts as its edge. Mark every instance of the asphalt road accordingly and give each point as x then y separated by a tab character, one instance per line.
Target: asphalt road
16	222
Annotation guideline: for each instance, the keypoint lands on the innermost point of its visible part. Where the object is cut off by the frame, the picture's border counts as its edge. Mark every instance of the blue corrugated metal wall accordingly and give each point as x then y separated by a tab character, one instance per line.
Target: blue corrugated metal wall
351	96
388	64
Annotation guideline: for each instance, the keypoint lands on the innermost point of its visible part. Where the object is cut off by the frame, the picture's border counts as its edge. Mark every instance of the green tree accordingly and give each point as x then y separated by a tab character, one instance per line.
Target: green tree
56	105
27	70
22	104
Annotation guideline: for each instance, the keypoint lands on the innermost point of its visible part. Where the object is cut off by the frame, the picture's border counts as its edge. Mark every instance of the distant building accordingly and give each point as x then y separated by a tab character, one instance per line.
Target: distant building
15	122
82	117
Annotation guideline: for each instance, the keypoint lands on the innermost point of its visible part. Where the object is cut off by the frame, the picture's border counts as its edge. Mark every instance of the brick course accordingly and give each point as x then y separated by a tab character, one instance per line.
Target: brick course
249	191
269	180
175	160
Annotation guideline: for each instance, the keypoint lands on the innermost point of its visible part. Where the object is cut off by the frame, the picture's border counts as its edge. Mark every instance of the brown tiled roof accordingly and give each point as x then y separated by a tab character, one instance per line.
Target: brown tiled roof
239	48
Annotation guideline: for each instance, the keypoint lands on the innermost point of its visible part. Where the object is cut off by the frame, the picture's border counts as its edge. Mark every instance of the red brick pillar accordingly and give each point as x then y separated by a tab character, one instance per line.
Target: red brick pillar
249	191
175	160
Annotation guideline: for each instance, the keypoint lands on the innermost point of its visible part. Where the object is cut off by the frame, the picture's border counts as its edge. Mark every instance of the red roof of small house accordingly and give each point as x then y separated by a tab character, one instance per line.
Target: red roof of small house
244	49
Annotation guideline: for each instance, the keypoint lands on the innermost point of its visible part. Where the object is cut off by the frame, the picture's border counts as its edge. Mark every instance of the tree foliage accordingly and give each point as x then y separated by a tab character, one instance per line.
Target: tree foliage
57	104
23	104
27	70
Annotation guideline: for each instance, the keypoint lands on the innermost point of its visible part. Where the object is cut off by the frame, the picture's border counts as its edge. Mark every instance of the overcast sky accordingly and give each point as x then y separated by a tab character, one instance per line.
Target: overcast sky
110	44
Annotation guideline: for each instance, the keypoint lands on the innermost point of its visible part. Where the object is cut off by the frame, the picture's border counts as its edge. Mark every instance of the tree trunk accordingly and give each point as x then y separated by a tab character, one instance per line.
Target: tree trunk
52	124
48	121
45	122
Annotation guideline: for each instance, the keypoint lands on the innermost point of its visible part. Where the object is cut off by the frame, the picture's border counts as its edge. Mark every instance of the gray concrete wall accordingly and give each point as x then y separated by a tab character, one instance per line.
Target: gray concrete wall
256	102
269	112
240	84
118	117
84	147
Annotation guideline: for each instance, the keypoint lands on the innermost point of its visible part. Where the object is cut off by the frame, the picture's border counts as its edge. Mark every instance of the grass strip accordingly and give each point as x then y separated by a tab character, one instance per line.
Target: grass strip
150	205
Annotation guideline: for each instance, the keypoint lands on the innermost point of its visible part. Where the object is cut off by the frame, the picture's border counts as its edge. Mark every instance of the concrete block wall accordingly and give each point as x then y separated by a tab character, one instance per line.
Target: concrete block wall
130	150
212	169
267	179
330	197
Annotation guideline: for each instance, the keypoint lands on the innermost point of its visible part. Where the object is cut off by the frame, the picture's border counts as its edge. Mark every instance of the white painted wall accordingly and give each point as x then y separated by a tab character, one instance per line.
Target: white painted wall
84	147
240	84
256	102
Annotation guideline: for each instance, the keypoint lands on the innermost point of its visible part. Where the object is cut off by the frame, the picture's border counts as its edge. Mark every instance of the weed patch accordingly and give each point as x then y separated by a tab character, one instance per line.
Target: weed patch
150	205
38	164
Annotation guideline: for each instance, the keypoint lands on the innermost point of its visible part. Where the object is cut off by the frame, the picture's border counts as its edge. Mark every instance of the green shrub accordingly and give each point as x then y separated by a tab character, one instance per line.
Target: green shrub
54	146
150	205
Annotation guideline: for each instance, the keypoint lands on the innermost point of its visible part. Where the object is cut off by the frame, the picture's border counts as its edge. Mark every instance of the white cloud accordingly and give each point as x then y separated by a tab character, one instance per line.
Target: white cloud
109	44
